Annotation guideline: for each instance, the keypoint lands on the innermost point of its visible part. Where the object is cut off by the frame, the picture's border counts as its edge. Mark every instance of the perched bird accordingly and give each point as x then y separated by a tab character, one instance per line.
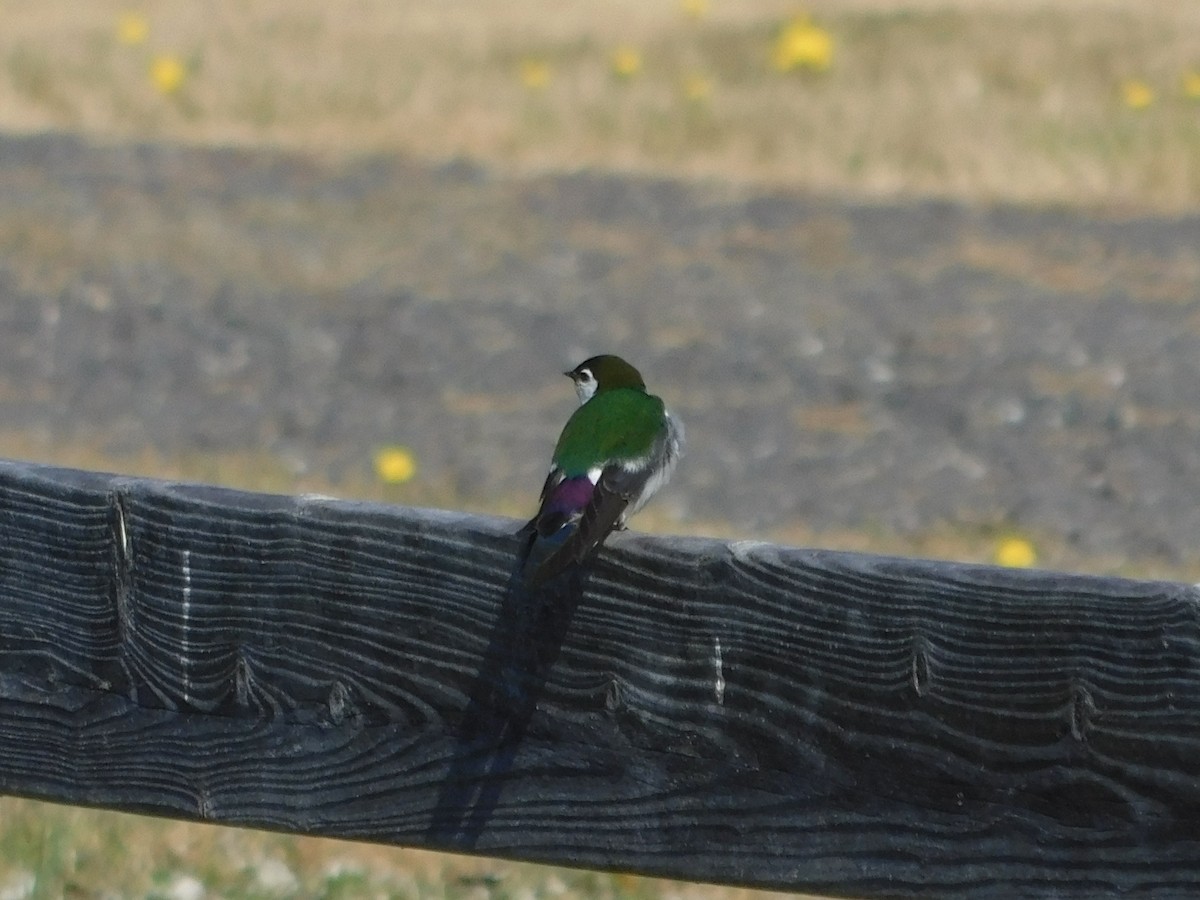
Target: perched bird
614	453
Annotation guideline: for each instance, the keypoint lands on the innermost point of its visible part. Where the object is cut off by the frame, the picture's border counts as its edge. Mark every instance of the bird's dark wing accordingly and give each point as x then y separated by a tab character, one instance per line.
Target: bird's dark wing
553	478
614	491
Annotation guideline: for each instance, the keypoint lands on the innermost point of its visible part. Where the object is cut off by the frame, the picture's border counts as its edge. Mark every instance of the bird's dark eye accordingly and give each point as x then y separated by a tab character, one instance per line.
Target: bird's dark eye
585	375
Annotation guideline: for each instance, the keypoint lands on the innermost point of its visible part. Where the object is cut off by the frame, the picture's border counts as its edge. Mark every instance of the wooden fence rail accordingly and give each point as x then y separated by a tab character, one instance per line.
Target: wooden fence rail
745	713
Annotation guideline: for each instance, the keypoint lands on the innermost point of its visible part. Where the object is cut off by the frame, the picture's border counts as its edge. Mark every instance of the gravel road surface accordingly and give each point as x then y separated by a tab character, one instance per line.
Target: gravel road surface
891	366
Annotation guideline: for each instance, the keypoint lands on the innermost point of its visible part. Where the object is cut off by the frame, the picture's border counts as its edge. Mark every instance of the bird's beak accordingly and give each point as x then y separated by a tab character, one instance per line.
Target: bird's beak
570	375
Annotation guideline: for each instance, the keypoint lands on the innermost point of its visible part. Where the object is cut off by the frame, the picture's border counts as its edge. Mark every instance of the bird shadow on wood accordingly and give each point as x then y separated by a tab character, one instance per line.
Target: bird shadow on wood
523	647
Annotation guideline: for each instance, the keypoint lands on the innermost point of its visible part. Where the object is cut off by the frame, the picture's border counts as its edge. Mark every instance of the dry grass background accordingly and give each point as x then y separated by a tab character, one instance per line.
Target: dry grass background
983	99
1088	102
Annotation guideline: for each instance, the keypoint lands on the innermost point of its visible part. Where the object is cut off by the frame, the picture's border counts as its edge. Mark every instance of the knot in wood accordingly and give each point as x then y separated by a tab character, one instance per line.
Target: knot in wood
612	695
1082	710
341	706
122	563
204	806
242	680
920	672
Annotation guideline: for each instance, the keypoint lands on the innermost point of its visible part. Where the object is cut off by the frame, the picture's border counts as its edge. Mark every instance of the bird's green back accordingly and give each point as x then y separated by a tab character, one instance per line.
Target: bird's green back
615	424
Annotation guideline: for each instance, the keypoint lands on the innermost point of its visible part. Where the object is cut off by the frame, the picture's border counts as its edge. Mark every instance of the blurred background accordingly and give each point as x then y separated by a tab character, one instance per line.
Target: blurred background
920	276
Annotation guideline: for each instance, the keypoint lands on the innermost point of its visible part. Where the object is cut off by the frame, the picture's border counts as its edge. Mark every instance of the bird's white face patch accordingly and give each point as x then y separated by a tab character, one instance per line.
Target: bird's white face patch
585	385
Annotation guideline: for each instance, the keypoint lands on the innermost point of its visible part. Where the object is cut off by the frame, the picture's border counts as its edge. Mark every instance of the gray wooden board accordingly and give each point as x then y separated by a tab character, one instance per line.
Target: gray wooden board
746	713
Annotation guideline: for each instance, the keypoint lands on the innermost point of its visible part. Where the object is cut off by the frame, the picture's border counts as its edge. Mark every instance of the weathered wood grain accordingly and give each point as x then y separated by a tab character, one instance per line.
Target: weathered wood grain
746	713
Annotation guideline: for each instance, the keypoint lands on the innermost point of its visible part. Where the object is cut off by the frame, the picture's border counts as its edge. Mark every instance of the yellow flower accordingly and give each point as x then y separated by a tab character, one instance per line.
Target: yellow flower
695	9
626	62
535	73
395	465
167	73
132	28
1016	553
1191	84
802	45
697	87
1137	94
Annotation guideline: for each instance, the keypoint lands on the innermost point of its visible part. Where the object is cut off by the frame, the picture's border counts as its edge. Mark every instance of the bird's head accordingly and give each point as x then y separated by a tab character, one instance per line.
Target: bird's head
604	373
